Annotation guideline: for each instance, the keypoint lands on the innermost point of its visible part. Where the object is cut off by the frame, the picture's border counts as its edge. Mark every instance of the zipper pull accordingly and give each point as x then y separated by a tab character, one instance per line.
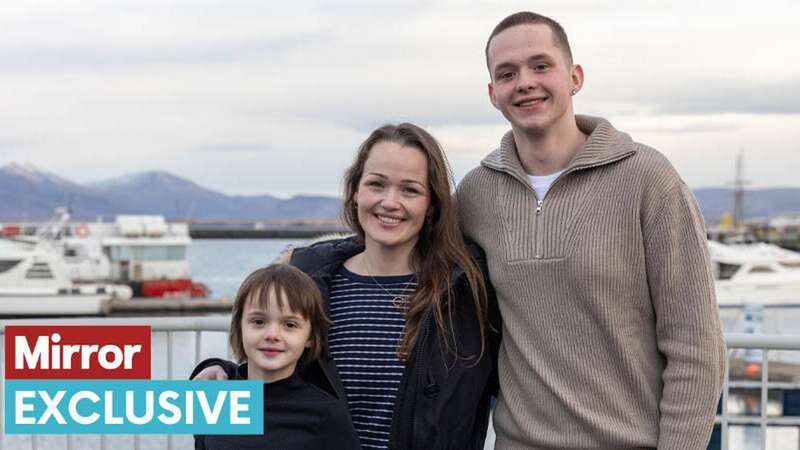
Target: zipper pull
538	207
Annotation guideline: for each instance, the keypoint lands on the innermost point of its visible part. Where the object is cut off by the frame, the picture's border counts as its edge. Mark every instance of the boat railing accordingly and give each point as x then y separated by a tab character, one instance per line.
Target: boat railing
179	343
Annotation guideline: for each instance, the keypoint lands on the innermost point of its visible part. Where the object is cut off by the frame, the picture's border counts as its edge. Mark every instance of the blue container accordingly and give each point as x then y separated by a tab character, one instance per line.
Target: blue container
791	402
715	443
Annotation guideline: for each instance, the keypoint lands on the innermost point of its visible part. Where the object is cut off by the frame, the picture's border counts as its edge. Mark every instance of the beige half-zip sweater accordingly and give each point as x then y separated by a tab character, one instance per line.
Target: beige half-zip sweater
611	335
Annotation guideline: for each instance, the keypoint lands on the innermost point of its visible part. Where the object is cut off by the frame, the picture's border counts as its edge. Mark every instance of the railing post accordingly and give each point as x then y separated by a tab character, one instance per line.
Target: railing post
726	385
764	397
198	337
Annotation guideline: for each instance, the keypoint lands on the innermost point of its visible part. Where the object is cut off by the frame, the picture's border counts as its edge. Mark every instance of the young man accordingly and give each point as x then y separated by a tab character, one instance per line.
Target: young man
597	252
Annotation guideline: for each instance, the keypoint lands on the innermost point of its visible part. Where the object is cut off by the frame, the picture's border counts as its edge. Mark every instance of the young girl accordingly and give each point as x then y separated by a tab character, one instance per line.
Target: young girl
278	319
410	349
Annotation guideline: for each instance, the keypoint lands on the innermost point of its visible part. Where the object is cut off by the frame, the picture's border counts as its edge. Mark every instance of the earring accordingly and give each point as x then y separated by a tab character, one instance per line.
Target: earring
574	91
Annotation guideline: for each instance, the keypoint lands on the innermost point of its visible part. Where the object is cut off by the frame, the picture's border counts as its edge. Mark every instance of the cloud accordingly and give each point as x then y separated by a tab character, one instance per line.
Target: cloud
687	128
233	147
715	96
104	55
9	144
254	97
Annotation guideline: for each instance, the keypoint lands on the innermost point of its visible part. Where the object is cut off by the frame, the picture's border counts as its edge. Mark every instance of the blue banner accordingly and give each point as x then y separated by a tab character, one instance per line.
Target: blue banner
133	407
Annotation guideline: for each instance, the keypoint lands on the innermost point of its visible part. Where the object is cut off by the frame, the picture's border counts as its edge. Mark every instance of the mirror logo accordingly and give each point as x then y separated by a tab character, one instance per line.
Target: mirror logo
96	380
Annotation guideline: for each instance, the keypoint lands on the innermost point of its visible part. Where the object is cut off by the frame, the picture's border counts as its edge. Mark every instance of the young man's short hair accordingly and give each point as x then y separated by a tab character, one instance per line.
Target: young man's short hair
531	18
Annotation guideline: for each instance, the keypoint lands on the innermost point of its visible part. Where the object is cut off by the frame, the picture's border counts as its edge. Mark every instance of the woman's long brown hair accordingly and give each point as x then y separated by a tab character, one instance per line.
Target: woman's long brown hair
440	245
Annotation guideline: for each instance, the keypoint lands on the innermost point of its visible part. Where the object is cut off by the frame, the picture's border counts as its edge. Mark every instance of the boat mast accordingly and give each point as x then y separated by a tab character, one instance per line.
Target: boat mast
738	193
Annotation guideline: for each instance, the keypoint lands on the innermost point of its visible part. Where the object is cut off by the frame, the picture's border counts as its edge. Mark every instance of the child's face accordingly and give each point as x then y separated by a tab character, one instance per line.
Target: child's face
273	339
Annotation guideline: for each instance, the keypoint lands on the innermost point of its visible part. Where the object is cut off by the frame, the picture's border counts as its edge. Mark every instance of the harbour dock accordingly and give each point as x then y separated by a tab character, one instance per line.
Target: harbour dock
168	307
262	230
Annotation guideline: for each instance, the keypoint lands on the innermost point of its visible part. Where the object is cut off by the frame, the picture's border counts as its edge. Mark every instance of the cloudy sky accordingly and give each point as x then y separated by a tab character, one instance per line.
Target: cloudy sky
253	96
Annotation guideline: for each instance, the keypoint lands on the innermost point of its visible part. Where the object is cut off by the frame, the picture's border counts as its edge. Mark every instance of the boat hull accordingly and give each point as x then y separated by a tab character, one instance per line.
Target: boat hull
740	293
53	305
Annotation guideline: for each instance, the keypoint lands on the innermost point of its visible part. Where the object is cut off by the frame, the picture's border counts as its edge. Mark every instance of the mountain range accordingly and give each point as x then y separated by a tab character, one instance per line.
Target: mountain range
27	193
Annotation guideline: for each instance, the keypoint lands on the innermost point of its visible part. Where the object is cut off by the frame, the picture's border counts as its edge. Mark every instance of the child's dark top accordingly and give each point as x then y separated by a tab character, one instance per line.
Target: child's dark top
297	416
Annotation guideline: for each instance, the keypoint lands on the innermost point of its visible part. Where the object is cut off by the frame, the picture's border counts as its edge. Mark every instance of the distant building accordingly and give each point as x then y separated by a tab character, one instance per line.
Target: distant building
786	221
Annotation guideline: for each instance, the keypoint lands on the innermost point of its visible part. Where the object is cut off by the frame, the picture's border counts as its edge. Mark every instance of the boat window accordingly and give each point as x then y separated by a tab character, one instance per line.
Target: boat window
761	269
727	271
8	264
148	253
791	265
39	271
118	253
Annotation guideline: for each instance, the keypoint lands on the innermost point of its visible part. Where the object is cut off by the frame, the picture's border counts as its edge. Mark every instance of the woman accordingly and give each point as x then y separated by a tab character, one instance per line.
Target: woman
410	348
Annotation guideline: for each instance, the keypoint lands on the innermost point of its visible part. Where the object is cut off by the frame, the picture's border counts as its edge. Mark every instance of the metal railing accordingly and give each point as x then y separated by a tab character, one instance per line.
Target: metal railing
179	343
763	420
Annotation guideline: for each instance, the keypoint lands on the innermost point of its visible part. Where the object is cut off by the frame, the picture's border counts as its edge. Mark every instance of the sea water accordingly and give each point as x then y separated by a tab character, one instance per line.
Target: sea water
222	264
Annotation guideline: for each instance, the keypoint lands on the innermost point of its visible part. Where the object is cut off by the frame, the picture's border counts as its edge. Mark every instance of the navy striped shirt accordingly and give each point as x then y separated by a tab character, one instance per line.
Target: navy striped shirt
367	327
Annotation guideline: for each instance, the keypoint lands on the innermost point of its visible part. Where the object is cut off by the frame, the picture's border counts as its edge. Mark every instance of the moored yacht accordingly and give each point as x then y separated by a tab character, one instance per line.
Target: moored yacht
33	281
760	274
141	251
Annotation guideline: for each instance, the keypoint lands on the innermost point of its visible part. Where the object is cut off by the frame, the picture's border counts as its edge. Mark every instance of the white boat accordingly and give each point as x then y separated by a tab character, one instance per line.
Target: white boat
33	281
141	251
756	274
